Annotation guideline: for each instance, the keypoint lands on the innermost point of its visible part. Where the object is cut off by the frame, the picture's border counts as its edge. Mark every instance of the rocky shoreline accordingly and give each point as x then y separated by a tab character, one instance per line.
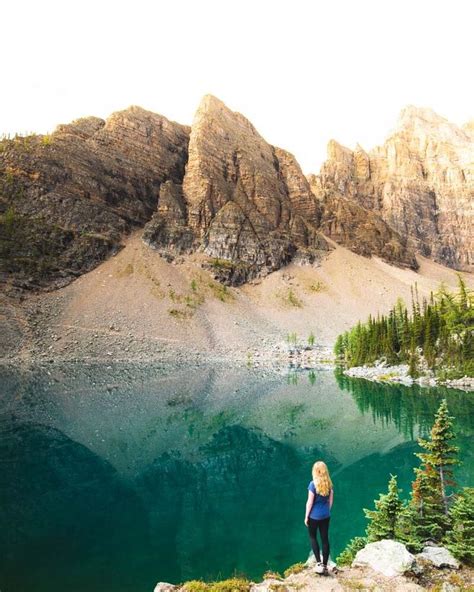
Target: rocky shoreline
383	566
277	357
384	373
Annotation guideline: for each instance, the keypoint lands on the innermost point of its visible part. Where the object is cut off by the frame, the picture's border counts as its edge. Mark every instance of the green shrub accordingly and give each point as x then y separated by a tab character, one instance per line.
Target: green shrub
293	299
195	586
271	575
460	540
230	585
347	556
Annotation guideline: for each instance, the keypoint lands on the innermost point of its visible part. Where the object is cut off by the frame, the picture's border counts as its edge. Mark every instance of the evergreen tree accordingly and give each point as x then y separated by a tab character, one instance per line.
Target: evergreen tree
413	360
440	453
443	327
423	518
460	540
426	515
383	520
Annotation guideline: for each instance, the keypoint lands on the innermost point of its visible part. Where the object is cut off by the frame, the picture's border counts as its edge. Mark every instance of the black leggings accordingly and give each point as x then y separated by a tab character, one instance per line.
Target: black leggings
323	526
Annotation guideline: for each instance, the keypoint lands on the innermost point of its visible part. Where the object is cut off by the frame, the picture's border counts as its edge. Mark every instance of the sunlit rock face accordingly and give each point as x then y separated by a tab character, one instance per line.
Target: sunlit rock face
72	196
420	182
249	203
69	199
360	229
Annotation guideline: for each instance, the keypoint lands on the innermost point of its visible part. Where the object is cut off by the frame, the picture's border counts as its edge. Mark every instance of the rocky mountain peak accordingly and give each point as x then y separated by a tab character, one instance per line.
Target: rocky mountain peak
248	203
218	187
420	182
411	113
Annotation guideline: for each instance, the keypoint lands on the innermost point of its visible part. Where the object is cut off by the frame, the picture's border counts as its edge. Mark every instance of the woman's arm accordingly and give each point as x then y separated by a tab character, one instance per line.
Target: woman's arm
309	505
331	498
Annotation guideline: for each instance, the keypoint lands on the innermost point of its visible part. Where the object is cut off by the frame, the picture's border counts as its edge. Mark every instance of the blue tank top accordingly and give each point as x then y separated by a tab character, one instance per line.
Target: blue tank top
320	509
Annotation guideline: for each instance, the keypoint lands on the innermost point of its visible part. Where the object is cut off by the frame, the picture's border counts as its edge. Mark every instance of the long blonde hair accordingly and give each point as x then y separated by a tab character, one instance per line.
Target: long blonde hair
322	480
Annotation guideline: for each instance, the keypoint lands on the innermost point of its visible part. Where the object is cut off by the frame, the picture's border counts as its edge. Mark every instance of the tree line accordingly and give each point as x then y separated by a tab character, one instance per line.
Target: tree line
435	510
438	333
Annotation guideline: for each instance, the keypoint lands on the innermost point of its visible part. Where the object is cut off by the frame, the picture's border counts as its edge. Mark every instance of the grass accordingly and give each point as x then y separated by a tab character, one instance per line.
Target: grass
320	424
230	585
278	588
294	569
195	586
293	299
292	378
355	585
316	287
125	271
179	314
218	264
46	140
290	298
387	376
220	291
271	575
193	301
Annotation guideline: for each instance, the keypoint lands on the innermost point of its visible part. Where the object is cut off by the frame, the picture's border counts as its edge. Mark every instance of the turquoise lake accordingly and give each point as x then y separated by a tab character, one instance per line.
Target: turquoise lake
113	478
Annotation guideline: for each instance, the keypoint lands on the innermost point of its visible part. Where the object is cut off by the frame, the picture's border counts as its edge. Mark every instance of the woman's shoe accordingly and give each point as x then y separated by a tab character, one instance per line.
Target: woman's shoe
319	569
325	570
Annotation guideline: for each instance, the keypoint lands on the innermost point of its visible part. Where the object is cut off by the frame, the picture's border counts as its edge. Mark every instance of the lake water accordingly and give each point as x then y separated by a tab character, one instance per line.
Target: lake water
115	477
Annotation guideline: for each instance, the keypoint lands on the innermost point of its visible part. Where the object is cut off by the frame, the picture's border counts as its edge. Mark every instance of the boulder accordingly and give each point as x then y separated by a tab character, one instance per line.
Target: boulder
387	557
164	587
439	557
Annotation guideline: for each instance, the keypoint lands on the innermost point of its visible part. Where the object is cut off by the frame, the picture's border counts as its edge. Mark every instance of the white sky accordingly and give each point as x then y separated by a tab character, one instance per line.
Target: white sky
303	71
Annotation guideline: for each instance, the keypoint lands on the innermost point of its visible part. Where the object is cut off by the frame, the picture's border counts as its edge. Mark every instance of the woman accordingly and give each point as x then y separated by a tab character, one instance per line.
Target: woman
318	511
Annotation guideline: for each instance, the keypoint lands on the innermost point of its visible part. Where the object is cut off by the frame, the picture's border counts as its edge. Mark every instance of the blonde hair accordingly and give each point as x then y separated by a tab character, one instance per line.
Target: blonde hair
322	480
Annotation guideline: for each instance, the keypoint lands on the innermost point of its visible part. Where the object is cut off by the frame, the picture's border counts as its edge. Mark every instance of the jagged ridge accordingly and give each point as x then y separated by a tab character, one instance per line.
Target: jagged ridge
218	187
420	182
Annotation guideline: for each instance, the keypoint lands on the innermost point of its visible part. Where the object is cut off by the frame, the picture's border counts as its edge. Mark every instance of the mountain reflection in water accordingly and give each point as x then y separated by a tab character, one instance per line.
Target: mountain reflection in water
116	477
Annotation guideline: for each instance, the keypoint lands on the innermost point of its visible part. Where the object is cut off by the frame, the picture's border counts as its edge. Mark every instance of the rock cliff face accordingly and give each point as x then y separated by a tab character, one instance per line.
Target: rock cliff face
420	182
360	229
67	200
247	204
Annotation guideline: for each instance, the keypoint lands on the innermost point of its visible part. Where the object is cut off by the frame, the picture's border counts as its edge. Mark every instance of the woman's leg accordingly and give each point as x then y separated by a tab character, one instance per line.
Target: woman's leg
312	528
323	526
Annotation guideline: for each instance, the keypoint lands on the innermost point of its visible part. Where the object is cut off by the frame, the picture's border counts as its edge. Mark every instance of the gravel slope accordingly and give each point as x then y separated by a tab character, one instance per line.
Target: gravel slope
137	305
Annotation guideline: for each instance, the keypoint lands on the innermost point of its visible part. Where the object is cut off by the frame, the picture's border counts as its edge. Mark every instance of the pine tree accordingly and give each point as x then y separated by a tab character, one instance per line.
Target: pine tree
440	453
413	360
423	518
383	520
460	540
426	515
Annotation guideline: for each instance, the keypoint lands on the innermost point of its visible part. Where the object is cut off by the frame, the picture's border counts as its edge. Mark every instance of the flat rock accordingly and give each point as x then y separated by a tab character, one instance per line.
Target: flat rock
439	557
387	557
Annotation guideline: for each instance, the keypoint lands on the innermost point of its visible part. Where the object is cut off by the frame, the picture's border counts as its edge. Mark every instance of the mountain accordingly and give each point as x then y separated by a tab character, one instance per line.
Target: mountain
244	203
68	200
420	182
